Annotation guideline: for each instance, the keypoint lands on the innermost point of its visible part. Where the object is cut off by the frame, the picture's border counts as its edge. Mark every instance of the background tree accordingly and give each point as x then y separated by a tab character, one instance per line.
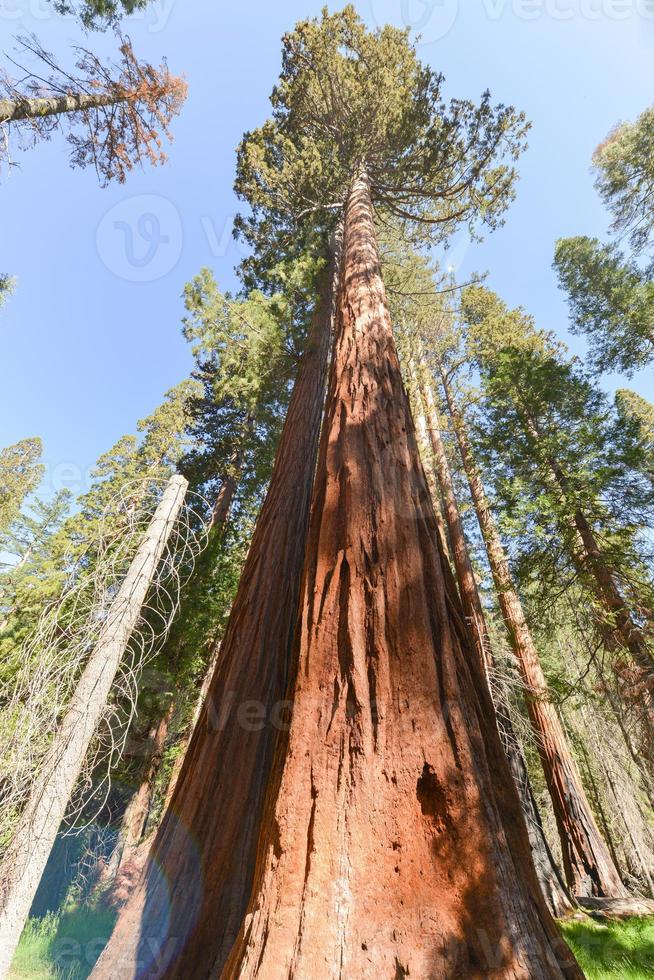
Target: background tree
115	114
611	301
624	170
637	415
6	287
20	474
99	14
434	345
562	468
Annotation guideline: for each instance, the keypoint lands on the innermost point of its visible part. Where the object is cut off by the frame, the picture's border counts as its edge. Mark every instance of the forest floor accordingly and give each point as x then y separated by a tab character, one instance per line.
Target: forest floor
62	946
65	946
617	949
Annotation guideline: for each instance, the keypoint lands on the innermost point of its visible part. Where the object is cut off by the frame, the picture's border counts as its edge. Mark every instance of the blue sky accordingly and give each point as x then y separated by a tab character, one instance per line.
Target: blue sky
91	339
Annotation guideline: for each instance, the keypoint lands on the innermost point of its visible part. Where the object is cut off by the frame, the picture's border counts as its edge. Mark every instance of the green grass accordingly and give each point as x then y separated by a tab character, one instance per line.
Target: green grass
63	946
615	950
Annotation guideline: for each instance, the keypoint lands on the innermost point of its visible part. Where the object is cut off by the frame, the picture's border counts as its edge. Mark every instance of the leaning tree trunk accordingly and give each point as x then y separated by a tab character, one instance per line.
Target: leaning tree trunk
188	907
137	811
27	855
128	854
19	109
588	865
554	890
393	843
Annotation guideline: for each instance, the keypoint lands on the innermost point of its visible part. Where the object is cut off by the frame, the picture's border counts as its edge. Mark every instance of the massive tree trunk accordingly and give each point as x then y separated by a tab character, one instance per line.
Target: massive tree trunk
27	855
548	874
393	843
588	865
188	907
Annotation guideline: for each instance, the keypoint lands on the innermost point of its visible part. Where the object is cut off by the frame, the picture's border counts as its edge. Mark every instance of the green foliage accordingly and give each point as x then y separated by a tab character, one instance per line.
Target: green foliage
99	14
611	301
348	101
20	474
37	546
6	287
624	169
637	416
613	950
541	413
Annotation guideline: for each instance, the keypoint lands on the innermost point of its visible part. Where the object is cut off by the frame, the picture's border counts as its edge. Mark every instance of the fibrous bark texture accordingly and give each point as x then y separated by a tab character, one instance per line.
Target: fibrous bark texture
188	907
588	865
393	843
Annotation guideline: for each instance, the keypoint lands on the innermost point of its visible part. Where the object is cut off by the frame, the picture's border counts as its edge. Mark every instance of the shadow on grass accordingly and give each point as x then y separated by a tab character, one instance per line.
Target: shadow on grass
613	950
64	946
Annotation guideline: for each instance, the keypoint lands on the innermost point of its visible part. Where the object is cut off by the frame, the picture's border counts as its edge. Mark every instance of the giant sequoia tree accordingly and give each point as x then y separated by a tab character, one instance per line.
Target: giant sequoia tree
380	831
624	170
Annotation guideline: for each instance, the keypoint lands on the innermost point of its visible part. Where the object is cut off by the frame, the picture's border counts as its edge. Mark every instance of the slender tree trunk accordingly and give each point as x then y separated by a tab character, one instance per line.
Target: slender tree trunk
27	855
15	110
138	808
393	844
550	880
608	594
197	711
130	840
223	504
588	866
636	861
616	624
186	912
422	434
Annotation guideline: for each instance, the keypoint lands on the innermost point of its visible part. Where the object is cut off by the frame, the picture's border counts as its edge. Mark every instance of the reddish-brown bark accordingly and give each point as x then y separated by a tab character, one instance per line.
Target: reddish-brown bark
393	844
588	865
548	874
188	906
138	808
223	503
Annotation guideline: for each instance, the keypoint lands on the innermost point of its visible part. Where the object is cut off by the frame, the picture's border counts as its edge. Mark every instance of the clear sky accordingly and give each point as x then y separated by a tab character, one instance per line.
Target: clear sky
91	339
